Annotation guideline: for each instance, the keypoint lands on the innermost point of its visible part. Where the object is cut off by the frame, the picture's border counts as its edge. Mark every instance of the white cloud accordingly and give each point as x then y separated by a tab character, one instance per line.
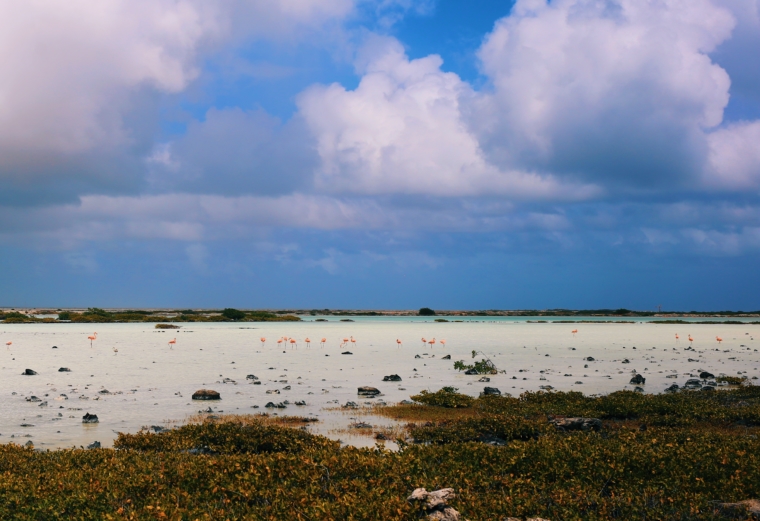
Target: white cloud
402	130
604	89
734	157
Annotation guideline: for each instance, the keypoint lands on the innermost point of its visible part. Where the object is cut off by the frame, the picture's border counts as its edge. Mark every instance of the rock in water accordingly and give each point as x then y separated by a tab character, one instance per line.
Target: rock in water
346	353
672	389
206	394
90	418
589	358
577	424
638	379
252	377
368	391
435	503
29	372
471	371
704	375
447	357
392	378
484	379
692	383
94	445
490	391
64	370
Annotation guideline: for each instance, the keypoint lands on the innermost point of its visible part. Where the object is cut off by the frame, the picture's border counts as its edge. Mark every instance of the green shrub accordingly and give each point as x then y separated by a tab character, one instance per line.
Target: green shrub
446	397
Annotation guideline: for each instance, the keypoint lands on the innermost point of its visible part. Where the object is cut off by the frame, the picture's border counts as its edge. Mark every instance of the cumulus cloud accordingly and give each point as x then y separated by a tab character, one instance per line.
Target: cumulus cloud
402	130
734	157
617	91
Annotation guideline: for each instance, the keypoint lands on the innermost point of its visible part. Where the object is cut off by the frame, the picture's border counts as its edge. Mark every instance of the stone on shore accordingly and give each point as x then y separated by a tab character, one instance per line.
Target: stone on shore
64	370
435	503
29	372
392	378
368	391
206	394
577	424
490	391
638	379
90	418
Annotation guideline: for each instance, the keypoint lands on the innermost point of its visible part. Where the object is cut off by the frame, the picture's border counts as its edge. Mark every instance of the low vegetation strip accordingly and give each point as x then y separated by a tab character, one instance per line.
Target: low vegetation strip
500	454
99	316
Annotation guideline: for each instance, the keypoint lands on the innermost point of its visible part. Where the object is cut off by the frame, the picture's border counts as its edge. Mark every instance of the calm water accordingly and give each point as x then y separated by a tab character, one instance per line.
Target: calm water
150	384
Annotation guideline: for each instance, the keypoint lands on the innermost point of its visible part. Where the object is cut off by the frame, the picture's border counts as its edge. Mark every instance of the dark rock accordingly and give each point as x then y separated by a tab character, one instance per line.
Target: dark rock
589	359
272	405
360	425
368	391
392	378
94	445
64	370
90	418
447	357
380	436
708	388
490	391
206	394
704	375
300	402
55	347
490	439
577	424
638	389
692	383
417	356
251	377
471	371
33	399
350	405
484	379
672	389
626	361
638	379
29	372
158	428
346	353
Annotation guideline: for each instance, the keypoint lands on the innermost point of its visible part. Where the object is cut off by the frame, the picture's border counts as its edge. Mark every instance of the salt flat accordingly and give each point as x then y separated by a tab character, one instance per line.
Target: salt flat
150	383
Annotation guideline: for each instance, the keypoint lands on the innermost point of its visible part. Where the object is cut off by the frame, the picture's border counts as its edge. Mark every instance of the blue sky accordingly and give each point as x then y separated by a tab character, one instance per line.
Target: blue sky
380	154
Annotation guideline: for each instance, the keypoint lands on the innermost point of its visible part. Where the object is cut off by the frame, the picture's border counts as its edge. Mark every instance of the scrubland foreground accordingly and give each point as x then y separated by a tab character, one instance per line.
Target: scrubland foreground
668	457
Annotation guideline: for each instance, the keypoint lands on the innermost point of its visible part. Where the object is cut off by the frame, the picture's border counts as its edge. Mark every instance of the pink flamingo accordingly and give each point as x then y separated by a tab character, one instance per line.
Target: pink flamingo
431	342
8	345
424	341
443	342
172	342
92	337
293	342
398	342
322	342
574	331
345	342
678	341
690	339
279	341
263	341
308	342
353	341
719	339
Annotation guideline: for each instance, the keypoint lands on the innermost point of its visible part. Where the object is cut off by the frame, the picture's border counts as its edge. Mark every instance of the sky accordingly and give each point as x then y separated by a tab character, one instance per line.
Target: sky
380	154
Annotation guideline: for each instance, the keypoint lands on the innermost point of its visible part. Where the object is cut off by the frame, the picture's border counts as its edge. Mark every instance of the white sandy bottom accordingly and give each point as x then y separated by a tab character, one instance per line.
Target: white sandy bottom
150	384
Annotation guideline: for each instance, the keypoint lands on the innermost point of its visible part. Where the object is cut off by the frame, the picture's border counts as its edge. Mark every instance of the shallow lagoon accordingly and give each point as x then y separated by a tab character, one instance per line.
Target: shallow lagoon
150	384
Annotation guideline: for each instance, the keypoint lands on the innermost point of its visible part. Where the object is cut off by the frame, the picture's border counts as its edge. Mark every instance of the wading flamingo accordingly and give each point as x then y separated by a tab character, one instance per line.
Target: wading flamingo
172	342
8	345
677	339
398	342
115	351
263	341
92	337
574	331
353	341
279	341
293	342
719	339
431	342
690	339
308	342
322	342
345	342
443	342
424	341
